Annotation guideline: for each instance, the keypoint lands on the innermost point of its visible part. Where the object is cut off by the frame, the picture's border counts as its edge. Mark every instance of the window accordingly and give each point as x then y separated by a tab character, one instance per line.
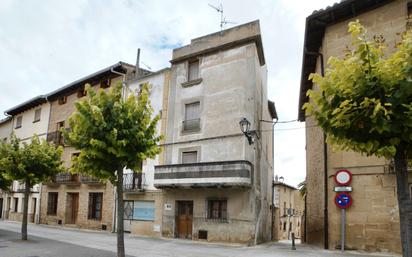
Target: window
82	92
52	203
16	204
192	117
37	114
193	70
217	209
105	83
59	134
409	22
62	100
284	226
189	157
95	206
19	121
144	210
284	208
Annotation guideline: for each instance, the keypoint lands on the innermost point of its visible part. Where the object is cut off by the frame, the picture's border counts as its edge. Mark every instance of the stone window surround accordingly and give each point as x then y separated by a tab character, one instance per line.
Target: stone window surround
183	114
93	196
193	82
190	149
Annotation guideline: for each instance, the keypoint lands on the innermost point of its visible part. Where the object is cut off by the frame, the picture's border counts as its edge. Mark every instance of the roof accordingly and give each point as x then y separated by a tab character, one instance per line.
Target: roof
38	100
119	67
278	183
315	30
222	40
272	110
2	121
147	75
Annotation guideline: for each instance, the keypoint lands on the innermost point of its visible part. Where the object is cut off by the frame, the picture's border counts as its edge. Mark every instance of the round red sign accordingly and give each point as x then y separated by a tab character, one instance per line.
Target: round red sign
343	177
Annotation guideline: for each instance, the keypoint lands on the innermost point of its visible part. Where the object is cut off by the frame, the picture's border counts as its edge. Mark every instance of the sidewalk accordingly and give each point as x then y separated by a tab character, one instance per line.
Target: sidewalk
153	247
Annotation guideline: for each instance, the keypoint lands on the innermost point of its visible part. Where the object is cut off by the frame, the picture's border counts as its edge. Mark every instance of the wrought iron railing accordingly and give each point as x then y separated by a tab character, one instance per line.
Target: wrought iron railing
67	178
89	180
133	181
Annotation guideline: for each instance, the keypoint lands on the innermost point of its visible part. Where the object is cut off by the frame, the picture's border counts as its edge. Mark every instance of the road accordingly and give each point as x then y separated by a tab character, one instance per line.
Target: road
49	241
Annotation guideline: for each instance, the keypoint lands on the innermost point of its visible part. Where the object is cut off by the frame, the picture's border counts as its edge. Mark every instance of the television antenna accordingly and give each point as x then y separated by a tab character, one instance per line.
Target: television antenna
223	20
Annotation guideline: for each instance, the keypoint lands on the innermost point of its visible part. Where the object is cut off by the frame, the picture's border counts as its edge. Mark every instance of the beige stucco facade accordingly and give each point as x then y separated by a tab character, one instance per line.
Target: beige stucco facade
373	219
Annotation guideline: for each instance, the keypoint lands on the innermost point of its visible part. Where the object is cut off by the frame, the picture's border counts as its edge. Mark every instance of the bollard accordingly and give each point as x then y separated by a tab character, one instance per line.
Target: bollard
293	241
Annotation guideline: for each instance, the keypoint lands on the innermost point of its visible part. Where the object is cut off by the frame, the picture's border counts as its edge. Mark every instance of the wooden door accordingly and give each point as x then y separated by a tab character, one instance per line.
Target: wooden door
184	219
72	208
33	217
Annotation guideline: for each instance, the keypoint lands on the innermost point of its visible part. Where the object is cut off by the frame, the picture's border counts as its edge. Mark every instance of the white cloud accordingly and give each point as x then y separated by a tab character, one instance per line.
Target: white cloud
45	46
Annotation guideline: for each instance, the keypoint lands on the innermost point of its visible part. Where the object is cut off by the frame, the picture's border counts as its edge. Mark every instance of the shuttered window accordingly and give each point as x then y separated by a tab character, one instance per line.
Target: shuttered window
193	70
189	157
52	203
192	117
37	115
19	121
95	206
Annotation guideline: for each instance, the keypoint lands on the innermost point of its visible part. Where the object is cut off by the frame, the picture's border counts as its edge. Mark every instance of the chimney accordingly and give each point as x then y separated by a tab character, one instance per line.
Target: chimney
137	71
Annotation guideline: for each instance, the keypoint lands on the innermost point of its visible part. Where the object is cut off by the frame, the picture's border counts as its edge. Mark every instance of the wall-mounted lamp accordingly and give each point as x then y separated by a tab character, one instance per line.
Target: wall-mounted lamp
245	128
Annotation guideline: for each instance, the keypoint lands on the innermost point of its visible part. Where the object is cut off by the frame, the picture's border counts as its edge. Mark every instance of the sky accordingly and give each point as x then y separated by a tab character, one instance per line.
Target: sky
47	44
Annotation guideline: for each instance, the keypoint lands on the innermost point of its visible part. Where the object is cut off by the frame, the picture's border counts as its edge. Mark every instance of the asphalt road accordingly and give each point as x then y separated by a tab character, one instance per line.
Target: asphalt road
45	241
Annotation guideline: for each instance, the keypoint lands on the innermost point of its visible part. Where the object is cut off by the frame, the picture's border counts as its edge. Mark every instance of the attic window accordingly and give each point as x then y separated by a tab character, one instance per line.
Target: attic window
19	121
82	92
37	114
62	100
105	83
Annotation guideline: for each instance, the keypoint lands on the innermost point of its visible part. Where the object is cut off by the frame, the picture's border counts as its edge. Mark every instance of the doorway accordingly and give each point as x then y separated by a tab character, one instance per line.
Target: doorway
34	206
72	208
184	219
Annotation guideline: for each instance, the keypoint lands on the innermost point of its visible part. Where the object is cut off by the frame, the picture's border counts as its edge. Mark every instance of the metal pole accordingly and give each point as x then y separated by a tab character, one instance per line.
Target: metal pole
293	242
342	246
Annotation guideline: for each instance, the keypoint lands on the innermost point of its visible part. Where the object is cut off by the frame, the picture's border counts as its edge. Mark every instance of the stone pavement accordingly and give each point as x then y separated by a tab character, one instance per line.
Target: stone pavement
48	241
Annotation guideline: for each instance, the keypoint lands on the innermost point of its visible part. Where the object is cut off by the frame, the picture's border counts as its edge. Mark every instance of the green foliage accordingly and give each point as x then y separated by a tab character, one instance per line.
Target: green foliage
302	188
112	132
364	101
35	162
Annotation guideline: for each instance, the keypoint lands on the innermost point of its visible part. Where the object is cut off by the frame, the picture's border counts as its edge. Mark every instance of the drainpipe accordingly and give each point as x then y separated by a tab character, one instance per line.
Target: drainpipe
325	163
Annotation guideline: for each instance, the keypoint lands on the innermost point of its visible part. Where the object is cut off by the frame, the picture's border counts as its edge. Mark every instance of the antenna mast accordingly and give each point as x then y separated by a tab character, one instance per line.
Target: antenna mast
222	18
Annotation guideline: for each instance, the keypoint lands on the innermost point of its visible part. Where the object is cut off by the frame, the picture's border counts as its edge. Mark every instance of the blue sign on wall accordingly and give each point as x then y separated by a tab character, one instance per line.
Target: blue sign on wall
143	210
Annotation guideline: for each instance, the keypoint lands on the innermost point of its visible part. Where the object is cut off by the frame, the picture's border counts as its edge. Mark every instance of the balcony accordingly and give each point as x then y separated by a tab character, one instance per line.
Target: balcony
56	137
67	179
133	182
89	180
21	187
204	174
191	125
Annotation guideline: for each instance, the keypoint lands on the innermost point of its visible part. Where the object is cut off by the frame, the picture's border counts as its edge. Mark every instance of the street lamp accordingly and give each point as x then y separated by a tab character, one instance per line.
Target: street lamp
245	128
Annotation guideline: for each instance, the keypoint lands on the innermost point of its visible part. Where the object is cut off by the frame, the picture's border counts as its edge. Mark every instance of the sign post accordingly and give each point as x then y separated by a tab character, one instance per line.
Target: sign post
343	200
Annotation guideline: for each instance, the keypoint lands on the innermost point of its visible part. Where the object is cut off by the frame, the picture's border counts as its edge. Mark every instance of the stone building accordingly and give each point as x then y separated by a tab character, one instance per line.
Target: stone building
5	200
217	186
24	121
74	199
289	210
373	219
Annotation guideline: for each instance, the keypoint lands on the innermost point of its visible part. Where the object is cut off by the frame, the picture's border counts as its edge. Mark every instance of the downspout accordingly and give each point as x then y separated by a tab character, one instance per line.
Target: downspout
273	178
325	163
114	220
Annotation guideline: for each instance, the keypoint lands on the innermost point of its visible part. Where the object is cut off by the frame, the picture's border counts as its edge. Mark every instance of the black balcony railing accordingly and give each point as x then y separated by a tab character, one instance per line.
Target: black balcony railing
133	182
56	137
191	125
67	178
89	180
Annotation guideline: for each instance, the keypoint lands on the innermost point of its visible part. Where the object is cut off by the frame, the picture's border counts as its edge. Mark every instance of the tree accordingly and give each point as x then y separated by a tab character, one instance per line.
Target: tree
29	163
302	189
5	182
364	104
113	134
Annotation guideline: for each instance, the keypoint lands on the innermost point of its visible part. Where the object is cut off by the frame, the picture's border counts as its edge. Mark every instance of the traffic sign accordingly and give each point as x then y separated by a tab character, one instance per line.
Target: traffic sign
343	177
343	200
343	189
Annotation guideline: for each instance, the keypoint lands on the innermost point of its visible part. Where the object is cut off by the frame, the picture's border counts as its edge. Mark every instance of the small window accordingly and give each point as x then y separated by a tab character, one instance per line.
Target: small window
193	70
144	210
82	92
62	100
37	114
217	209
189	157
59	134
52	203
19	121
95	206
105	83
192	117
16	204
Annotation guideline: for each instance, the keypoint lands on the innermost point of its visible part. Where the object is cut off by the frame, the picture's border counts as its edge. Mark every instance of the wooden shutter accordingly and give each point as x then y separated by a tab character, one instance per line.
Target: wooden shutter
189	157
193	70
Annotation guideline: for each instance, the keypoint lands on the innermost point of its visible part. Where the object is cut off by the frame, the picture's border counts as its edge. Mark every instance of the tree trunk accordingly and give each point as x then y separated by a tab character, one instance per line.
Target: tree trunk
404	200
25	210
120	211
